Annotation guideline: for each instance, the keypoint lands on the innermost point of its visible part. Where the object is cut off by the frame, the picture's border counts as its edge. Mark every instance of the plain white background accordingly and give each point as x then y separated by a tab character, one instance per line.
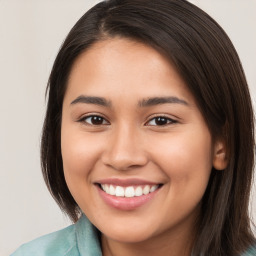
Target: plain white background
31	32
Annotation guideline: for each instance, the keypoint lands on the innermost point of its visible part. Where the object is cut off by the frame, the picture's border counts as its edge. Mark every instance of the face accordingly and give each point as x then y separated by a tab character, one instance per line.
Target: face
137	153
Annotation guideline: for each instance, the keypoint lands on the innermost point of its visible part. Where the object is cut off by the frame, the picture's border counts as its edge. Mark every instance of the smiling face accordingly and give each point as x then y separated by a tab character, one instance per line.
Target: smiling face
137	153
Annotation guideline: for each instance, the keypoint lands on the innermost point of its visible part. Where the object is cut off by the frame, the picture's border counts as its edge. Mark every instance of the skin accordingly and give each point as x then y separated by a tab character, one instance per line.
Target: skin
129	143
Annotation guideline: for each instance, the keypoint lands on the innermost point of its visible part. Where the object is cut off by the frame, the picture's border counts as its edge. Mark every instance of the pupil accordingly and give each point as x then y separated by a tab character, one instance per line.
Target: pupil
97	120
161	121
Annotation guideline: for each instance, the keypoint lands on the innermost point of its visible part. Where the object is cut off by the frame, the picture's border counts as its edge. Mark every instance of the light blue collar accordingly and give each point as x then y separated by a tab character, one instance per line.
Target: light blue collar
87	238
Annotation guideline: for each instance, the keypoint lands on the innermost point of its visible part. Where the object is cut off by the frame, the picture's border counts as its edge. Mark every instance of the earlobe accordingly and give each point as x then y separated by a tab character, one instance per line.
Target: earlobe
220	160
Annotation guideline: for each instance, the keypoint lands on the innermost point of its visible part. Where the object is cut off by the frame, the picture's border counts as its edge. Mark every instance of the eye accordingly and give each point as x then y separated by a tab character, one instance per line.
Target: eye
94	120
161	121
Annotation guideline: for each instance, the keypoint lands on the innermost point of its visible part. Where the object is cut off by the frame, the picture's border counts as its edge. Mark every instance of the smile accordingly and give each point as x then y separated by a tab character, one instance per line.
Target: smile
127	195
130	191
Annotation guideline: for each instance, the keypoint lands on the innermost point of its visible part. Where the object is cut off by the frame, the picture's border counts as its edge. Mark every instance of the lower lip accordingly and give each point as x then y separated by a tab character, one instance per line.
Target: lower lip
126	203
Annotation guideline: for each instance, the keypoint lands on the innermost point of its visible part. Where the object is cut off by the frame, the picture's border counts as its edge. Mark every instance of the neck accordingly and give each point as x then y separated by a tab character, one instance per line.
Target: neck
174	243
116	249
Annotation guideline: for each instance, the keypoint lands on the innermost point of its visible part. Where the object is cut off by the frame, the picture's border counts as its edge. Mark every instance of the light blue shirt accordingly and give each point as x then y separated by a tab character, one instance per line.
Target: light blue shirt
80	239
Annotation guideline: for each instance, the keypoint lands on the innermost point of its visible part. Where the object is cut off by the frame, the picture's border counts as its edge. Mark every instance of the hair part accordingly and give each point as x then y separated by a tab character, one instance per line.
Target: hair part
207	61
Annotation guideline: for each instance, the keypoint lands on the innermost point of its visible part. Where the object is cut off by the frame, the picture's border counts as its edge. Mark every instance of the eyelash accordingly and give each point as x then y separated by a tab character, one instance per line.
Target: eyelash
161	118
83	120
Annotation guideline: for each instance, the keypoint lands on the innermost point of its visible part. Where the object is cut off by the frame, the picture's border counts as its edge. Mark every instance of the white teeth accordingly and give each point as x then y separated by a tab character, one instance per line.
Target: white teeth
106	189
146	190
138	191
128	191
119	191
153	188
112	190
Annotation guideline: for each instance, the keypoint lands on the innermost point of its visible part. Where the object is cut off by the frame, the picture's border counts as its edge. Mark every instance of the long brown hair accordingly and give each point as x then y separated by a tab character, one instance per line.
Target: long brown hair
206	59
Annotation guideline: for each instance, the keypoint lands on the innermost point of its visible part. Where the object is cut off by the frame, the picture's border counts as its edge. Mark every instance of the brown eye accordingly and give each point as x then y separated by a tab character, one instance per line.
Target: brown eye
161	121
94	120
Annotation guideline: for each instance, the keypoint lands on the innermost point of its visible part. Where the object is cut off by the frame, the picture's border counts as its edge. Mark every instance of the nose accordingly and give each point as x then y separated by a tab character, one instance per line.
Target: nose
125	150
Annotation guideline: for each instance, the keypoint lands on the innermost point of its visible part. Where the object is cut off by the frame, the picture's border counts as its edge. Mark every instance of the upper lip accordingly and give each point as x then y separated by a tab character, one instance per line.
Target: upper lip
125	182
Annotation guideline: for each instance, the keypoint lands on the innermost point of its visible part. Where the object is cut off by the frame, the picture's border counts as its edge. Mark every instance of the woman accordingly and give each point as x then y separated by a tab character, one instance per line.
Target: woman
148	138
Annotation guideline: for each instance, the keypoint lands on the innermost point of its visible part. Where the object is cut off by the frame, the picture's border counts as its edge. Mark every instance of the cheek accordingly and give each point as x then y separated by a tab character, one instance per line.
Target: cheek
79	153
186	160
187	165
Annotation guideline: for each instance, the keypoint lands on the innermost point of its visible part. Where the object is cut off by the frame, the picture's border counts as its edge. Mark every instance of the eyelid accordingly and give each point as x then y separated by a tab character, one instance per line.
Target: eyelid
172	120
152	117
84	117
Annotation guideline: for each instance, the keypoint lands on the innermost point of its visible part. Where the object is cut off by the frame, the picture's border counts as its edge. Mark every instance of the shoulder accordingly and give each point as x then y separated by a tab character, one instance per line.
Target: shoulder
250	252
62	242
82	238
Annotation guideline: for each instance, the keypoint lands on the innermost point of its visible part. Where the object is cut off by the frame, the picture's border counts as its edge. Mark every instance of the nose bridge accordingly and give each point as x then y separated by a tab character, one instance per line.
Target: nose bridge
124	149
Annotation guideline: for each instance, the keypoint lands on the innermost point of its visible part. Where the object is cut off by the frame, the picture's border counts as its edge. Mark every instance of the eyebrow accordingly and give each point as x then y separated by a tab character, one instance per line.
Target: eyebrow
91	100
161	100
142	103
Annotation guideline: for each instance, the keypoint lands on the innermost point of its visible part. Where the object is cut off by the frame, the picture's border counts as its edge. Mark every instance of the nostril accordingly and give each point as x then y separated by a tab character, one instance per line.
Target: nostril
123	162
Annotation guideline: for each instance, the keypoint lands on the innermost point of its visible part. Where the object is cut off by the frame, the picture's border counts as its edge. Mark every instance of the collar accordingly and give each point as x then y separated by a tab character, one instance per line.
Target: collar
87	237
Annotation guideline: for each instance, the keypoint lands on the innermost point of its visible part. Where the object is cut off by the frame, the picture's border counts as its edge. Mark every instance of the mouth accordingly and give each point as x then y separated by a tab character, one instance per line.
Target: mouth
127	195
128	191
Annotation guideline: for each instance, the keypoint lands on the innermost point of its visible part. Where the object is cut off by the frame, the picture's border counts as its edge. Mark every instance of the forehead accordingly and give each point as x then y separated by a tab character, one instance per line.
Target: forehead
124	65
129	54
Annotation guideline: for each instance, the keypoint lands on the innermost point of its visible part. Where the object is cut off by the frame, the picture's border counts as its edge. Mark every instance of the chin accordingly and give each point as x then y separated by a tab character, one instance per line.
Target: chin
125	237
128	233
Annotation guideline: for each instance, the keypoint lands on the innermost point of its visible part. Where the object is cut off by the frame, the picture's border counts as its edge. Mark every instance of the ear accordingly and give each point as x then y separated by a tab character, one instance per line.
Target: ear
220	159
